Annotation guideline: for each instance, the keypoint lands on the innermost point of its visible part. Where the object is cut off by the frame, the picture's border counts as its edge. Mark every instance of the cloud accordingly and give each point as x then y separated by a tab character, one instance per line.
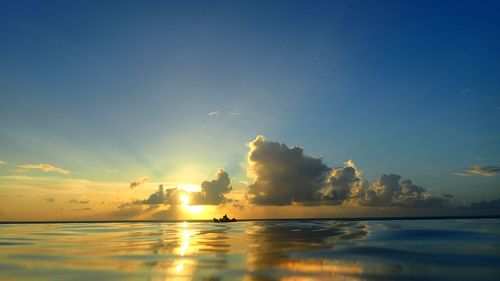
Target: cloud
482	171
74	201
390	191
49	200
283	175
212	192
216	113
169	196
127	211
341	182
345	186
3	162
45	168
155	205
238	204
83	209
155	212
156	198
486	205
465	91
139	181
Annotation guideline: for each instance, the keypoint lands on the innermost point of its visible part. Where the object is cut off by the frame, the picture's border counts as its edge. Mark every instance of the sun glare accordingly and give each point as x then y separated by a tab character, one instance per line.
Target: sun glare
184	200
189	187
192	209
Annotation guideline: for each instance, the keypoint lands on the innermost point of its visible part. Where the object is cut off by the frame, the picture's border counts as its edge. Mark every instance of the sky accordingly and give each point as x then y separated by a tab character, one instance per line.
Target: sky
257	109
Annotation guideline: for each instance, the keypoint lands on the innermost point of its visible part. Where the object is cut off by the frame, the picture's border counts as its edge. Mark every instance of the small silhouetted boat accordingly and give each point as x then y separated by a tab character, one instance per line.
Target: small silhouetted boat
225	218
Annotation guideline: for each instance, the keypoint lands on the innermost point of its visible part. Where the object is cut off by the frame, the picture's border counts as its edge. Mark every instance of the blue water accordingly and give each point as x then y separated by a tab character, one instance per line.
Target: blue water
253	250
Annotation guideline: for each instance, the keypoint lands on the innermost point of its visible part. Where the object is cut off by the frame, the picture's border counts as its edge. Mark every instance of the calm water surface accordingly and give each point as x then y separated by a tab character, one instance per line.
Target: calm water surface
258	250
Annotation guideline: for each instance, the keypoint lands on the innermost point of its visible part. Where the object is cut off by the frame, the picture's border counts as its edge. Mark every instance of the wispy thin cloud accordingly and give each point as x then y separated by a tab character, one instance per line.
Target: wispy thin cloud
83	209
45	168
3	162
139	181
481	171
231	113
465	91
74	201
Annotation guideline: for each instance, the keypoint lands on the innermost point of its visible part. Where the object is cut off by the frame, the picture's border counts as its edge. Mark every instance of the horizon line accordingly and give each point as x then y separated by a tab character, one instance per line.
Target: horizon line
382	218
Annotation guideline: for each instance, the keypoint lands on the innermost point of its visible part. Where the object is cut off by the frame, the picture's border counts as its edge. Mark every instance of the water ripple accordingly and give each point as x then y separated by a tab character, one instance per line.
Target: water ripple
252	250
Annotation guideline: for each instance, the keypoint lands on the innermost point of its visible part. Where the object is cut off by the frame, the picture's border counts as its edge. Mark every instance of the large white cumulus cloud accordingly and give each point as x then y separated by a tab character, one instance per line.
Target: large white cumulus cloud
390	191
285	175
343	183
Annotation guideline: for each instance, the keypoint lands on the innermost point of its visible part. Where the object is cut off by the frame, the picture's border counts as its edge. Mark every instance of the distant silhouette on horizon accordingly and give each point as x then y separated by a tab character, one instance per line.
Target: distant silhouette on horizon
225	218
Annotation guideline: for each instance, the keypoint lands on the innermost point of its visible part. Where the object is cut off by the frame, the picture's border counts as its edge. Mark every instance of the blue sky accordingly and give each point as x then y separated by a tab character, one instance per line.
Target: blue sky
405	87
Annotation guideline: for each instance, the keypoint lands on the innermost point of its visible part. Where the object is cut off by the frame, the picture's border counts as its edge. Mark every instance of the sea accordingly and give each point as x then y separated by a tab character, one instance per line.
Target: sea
321	249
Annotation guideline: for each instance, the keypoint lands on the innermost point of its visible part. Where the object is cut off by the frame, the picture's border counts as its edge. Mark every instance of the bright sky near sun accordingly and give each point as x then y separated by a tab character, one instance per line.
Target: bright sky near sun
103	101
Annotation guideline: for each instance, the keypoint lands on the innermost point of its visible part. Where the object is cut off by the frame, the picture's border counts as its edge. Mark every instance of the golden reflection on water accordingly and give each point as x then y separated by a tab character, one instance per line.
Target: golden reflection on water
183	267
323	270
165	251
269	250
272	245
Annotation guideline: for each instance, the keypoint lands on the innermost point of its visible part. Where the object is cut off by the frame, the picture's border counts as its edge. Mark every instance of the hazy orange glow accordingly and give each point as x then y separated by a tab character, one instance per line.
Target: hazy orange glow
191	209
189	187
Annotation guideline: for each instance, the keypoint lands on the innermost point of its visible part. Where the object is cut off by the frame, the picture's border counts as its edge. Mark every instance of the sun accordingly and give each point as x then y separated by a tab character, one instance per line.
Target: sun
191	209
184	200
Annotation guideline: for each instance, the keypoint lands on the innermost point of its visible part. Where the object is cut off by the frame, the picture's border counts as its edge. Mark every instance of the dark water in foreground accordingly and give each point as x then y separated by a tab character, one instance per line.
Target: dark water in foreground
258	250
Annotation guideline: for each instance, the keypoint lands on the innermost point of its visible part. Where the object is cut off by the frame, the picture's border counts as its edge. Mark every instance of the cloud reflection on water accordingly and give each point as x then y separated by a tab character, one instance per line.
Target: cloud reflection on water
273	245
259	250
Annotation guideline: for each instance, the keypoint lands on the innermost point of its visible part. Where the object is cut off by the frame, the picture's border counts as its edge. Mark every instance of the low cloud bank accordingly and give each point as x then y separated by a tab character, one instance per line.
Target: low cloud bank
212	193
486	205
284	175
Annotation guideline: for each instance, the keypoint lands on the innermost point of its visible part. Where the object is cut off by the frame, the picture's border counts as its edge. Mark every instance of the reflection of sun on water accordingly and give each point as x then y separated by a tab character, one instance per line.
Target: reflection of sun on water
184	266
185	243
185	234
179	267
